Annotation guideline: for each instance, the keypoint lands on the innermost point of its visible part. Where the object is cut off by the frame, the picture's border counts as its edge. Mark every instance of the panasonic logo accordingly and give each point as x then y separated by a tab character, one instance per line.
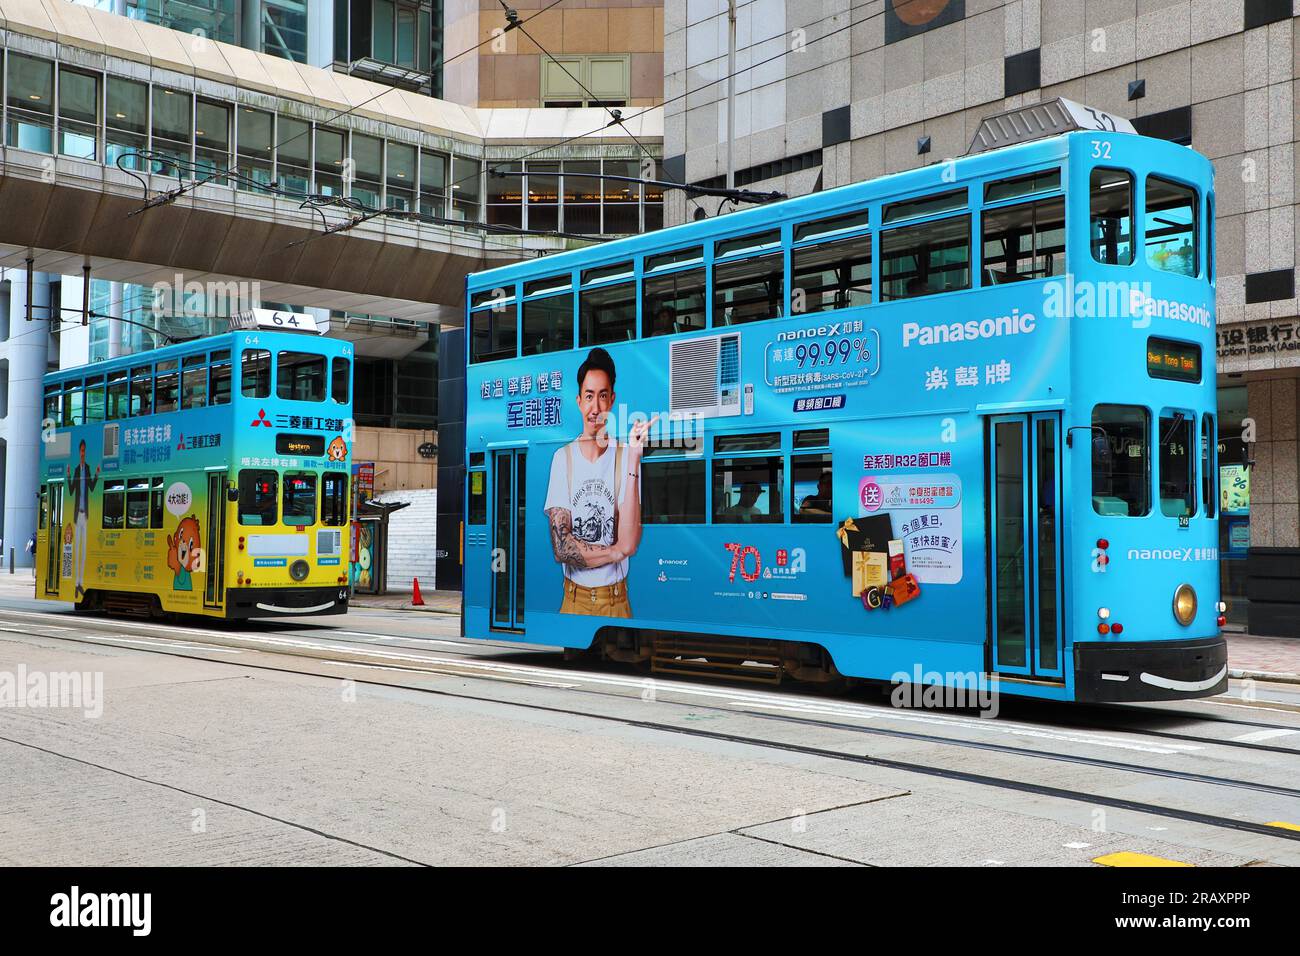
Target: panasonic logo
1013	324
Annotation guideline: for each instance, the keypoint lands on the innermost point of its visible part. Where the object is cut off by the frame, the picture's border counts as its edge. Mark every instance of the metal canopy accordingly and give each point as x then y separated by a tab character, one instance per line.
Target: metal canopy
1040	120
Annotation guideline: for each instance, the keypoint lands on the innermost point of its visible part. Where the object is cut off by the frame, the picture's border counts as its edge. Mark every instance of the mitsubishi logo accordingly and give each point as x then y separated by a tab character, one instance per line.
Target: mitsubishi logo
261	418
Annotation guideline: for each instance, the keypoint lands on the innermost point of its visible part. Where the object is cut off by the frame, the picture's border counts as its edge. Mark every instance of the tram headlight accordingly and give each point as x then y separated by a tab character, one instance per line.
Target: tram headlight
1185	604
299	570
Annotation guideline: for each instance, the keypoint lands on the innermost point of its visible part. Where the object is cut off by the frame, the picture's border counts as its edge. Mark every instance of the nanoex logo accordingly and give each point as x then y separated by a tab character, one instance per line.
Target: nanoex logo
991	328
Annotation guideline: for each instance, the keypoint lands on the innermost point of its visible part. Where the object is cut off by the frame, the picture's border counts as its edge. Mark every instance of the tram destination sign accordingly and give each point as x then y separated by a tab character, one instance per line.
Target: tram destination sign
273	320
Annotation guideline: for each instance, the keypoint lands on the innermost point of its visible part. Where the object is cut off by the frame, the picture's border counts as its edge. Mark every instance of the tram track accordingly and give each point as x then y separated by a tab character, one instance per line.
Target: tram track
197	649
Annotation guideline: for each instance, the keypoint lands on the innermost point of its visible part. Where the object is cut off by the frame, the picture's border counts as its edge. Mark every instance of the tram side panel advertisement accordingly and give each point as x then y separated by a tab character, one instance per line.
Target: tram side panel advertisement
134	518
888	528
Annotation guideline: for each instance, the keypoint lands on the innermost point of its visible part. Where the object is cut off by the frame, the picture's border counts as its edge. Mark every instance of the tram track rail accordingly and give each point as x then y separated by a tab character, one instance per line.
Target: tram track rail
196	652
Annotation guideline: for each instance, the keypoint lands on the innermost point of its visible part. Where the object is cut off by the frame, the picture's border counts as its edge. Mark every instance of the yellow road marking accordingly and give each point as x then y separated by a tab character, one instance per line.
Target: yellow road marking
1283	825
1128	858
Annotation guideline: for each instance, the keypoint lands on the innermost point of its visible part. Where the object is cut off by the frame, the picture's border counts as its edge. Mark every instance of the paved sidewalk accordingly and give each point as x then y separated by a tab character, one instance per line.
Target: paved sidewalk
437	602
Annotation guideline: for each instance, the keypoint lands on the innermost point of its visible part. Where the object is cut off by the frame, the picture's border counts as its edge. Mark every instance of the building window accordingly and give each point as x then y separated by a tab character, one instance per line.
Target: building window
172	129
126	121
399	177
284	29
368	166
255	142
433	184
594	80
329	161
465	189
79	114
211	138
30	101
582	193
544	196
293	155
505	195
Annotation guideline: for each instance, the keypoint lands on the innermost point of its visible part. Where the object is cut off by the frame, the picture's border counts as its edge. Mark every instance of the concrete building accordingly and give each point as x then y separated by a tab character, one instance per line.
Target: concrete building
86	90
834	92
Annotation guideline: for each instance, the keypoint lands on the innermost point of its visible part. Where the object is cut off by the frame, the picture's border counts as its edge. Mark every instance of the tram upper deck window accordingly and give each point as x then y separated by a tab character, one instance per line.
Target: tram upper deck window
673	293
73	404
118	384
1110	228
1177	464
925	259
834	273
220	382
748	490
94	399
257	494
194	381
300	376
255	373
340	378
1024	241
1045	180
748	279
299	498
53	404
607	310
142	390
1170	227
1121	460
166	385
494	317
548	315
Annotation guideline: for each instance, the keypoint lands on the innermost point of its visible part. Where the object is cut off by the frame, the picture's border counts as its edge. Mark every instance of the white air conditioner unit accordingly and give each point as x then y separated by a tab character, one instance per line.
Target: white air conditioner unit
329	543
111	435
704	376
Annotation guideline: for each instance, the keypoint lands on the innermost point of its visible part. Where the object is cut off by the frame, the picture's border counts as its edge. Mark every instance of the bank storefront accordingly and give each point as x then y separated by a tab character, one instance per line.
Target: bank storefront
1259	477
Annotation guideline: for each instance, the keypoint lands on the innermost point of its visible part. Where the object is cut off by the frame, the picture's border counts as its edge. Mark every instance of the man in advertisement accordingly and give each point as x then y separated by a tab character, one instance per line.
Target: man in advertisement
80	483
593	501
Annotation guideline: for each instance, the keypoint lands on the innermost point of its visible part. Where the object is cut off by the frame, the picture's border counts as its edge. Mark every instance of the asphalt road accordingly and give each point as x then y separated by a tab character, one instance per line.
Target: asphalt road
384	738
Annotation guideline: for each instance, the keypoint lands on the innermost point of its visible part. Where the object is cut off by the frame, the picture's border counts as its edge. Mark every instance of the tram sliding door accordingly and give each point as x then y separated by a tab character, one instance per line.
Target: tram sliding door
508	484
214	581
53	535
1024	463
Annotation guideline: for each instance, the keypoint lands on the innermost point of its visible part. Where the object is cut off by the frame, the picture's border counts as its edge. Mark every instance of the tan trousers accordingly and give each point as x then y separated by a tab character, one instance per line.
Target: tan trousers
610	600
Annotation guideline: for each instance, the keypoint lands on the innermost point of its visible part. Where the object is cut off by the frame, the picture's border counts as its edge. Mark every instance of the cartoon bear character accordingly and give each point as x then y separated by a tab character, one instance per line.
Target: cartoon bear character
183	552
338	449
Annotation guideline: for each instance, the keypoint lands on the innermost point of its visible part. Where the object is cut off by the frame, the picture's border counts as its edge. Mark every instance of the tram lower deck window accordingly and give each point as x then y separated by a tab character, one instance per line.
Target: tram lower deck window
114	503
1121	460
810	488
299	498
477	497
257	494
334	499
748	490
1177	470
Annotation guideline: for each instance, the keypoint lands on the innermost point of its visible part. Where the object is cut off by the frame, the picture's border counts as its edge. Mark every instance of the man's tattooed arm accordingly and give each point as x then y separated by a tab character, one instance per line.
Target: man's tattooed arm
569	550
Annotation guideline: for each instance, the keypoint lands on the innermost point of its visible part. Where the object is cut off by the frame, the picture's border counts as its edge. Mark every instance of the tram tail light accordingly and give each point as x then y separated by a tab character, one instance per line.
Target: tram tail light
1103	628
1222	620
1117	628
241	542
1103	612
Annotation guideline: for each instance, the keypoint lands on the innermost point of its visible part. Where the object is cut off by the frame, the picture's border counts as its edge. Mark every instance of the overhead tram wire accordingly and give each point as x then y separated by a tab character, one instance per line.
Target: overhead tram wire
682	96
450	185
342	113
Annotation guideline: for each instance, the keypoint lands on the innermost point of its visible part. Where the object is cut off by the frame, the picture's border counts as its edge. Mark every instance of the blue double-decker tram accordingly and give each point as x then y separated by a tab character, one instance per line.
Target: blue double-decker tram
950	424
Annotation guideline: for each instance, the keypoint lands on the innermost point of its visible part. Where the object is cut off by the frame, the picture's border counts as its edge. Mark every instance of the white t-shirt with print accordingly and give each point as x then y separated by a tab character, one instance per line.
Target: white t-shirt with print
591	506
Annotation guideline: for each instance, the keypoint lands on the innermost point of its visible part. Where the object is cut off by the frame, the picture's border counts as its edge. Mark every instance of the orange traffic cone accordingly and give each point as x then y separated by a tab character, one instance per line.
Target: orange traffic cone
416	600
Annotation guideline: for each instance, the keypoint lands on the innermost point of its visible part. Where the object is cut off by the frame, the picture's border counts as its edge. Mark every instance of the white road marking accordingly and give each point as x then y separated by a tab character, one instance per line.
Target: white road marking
1076	846
155	642
1256	736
